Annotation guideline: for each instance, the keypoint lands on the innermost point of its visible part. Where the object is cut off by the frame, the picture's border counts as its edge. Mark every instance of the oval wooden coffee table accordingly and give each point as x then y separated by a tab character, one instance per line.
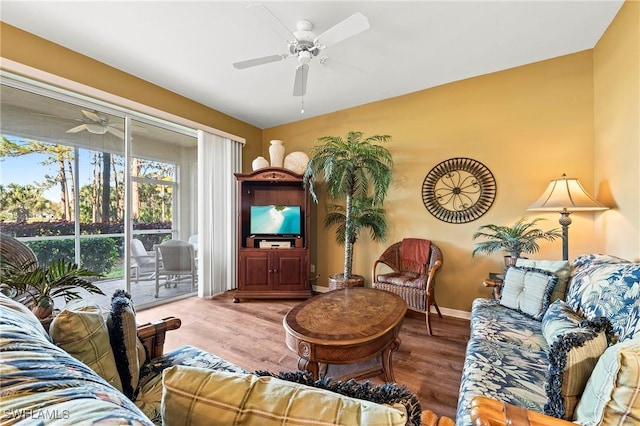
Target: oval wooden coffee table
346	326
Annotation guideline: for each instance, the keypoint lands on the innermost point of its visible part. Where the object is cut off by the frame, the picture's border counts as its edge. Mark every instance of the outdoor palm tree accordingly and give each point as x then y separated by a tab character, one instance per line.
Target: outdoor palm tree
358	172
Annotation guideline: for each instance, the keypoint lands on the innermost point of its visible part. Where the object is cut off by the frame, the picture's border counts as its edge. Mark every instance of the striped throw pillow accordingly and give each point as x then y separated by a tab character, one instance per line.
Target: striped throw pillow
612	394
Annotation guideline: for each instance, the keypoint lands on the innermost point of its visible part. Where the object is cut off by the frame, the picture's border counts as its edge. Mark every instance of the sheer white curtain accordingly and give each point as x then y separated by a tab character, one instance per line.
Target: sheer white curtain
218	159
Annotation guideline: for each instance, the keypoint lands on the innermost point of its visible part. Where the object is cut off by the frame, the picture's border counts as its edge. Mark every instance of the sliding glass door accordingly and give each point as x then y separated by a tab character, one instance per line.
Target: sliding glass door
80	180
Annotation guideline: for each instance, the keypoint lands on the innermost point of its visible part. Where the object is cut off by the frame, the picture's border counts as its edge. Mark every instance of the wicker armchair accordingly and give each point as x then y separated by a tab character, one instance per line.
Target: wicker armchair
18	254
415	283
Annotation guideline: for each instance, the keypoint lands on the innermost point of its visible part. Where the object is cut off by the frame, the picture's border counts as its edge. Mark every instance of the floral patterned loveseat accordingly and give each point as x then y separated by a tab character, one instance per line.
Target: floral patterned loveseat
575	359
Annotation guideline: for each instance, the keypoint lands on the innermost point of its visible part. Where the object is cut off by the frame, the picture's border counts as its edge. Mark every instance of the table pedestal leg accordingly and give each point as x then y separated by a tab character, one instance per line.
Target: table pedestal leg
310	366
387	365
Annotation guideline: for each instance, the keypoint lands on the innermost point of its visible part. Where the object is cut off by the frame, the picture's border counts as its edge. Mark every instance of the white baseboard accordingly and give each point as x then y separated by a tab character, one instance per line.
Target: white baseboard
455	313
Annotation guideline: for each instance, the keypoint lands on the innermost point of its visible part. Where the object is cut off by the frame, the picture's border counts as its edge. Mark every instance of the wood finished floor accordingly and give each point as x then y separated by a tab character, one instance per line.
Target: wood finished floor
250	334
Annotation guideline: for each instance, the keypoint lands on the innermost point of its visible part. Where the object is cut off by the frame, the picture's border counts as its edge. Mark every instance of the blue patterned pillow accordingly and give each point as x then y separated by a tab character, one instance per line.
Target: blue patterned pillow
527	290
593	259
559	319
610	290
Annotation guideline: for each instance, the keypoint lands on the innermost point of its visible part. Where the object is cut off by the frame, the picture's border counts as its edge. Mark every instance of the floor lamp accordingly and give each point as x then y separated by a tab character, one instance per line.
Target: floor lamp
566	195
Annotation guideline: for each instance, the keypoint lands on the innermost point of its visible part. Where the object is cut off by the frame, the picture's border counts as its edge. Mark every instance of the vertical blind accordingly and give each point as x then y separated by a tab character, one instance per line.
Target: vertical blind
218	159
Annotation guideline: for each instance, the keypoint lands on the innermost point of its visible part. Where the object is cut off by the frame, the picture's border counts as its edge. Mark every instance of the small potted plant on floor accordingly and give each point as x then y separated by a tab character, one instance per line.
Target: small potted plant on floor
520	238
357	173
37	286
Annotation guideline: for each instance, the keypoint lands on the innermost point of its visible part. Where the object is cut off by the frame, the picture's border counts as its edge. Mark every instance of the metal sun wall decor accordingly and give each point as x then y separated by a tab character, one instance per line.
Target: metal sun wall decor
458	190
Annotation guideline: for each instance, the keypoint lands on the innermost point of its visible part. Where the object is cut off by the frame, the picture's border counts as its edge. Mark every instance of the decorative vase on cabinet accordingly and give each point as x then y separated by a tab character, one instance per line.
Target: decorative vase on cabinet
259	163
276	152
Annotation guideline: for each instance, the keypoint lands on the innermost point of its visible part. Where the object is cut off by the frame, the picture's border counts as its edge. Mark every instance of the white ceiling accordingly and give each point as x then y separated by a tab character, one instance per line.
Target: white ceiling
188	47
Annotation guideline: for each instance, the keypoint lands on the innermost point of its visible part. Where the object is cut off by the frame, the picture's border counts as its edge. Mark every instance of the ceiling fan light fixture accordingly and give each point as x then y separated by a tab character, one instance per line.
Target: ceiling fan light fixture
304	57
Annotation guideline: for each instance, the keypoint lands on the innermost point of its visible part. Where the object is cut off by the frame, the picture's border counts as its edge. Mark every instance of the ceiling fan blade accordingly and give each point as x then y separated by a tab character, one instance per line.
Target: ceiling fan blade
77	128
351	26
115	132
300	80
337	64
258	61
274	23
91	115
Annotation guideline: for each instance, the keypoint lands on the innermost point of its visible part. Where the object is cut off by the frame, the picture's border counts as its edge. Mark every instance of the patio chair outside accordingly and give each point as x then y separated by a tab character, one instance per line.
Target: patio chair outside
143	263
176	263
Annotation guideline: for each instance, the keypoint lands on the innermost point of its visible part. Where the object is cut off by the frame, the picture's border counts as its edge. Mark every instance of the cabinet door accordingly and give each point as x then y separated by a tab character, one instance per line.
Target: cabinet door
254	271
290	266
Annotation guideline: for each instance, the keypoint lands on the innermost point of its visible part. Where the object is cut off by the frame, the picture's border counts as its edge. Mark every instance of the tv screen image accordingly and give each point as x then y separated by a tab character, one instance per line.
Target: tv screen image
275	220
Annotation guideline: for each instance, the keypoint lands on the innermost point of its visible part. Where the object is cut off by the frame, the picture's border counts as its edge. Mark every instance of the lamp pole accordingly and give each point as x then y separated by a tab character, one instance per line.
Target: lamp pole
565	221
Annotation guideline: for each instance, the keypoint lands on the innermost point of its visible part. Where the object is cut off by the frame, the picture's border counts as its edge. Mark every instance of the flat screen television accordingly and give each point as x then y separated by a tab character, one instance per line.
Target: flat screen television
276	220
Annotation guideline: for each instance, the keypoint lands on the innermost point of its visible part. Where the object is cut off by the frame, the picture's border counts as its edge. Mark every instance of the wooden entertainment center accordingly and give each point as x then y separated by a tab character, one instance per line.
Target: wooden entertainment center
272	266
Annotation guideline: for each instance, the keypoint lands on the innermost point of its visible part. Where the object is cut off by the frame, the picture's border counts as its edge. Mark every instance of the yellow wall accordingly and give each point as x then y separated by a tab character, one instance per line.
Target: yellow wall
616	72
30	50
528	125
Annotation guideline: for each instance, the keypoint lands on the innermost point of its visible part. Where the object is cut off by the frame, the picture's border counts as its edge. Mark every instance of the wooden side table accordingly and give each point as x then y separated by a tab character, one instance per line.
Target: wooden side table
495	282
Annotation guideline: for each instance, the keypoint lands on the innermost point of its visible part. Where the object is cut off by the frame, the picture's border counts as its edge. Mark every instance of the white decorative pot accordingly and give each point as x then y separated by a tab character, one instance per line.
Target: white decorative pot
276	152
296	162
259	163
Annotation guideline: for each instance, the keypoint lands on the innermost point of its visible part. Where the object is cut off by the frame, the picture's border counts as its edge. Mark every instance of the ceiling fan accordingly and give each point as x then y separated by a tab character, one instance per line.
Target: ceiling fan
96	123
304	45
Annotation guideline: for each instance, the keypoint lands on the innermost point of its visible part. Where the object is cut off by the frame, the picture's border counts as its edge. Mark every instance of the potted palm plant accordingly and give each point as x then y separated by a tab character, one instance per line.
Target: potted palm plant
520	238
37	286
357	173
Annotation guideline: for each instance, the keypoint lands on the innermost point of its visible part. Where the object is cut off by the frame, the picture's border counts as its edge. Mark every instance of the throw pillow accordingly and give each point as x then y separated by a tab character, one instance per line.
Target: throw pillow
572	358
196	396
558	267
80	329
386	393
527	290
612	394
559	318
127	349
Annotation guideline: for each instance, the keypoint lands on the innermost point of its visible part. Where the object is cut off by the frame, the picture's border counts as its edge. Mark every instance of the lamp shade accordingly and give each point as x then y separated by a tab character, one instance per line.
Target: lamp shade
566	193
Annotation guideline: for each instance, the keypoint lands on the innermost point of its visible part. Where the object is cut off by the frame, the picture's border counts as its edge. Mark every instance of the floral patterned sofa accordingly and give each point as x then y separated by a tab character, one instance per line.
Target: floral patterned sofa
575	359
72	375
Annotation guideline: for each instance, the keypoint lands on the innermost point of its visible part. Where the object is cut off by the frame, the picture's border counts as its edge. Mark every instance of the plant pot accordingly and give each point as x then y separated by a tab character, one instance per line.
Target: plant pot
337	281
46	322
44	309
510	261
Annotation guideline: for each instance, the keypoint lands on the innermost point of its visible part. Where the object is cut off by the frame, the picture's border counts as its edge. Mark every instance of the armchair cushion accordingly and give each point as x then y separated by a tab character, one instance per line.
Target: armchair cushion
527	290
128	350
81	330
201	396
405	279
415	255
612	394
